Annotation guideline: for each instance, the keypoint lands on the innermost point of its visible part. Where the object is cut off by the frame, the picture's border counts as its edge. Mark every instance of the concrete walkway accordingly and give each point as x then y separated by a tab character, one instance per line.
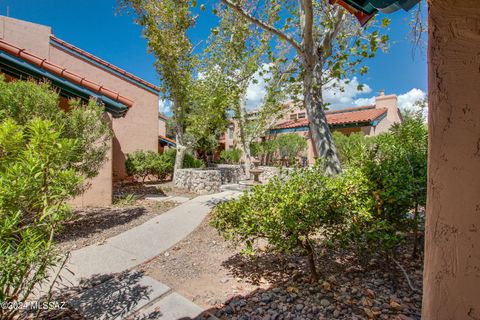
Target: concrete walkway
130	249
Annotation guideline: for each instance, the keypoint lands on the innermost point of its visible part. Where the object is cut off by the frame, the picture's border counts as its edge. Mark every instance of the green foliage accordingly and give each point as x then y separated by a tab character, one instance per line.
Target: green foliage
45	156
231	156
143	164
366	207
125	200
24	100
290	145
140	164
189	161
351	149
290	213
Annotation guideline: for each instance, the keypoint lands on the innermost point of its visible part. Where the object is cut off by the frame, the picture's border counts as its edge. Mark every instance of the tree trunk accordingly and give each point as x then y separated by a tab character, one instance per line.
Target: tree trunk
181	148
311	260
324	147
241	114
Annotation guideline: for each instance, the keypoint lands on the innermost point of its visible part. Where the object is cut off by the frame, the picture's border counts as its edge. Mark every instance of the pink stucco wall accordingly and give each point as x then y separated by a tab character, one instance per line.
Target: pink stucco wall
452	248
138	130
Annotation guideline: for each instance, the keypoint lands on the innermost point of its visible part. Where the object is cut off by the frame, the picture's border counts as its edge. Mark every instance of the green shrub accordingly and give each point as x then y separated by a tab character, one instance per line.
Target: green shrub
142	164
366	207
231	156
125	200
189	161
45	156
290	145
352	149
290	213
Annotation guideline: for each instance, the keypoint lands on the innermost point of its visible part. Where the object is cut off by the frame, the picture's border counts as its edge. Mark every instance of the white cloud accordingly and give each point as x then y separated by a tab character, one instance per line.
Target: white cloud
164	106
256	91
407	100
364	101
342	94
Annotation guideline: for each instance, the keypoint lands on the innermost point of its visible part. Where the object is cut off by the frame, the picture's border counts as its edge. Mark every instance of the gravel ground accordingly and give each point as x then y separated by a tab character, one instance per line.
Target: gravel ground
95	225
206	270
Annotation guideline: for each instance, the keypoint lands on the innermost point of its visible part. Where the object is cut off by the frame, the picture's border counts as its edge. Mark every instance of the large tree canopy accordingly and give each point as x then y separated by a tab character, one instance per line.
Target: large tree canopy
327	46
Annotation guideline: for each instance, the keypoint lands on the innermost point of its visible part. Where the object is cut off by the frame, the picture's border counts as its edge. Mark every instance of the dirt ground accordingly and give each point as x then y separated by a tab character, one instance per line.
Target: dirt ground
94	225
207	271
194	268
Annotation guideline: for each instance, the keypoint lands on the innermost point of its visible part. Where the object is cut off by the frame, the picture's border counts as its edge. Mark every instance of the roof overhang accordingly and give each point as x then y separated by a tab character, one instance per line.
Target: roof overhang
364	10
21	69
167	141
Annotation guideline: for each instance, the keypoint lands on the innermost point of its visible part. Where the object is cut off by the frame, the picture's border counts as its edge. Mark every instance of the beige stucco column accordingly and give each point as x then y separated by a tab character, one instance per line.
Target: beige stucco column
452	256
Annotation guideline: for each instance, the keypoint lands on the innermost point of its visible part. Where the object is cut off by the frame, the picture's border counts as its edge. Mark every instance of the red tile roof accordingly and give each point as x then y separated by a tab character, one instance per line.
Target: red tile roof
167	139
161	116
63	72
340	117
104	63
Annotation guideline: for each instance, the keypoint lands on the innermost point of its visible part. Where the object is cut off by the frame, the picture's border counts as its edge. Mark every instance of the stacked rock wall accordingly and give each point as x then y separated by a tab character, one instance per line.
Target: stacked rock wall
198	180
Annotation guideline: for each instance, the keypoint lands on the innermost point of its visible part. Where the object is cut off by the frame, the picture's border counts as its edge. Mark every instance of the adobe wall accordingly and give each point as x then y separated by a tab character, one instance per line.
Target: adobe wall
137	130
99	192
452	256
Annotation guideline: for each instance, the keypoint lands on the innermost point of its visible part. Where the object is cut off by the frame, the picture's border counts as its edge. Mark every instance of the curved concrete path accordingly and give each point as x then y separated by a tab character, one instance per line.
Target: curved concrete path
122	253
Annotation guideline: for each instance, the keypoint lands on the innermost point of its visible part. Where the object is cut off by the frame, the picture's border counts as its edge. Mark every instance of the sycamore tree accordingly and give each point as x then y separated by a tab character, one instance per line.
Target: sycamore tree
327	44
212	98
165	24
239	50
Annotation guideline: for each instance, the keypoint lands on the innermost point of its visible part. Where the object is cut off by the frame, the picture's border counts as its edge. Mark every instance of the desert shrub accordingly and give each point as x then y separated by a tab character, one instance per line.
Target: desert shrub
24	100
231	156
125	200
290	146
352	149
290	213
142	164
189	161
139	164
45	156
397	170
366	207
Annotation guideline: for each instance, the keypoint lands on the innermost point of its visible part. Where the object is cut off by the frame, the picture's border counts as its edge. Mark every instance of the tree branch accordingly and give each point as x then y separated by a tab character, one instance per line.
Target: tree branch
338	19
264	25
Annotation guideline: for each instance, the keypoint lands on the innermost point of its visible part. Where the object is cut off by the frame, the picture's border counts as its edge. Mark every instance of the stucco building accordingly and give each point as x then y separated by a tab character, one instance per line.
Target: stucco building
371	120
29	50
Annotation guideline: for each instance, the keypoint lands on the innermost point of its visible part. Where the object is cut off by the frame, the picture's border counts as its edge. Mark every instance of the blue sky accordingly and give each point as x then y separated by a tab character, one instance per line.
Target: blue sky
97	27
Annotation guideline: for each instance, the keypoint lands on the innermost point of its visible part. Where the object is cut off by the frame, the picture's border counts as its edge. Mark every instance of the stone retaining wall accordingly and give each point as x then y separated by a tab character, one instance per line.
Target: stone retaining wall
270	172
230	173
200	181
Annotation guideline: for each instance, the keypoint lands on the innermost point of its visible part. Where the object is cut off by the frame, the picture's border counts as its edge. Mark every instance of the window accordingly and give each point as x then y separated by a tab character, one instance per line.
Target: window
293	116
301	115
230	132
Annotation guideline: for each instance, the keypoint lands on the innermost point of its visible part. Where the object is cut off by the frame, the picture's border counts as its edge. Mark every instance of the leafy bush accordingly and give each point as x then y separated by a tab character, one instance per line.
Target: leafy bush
189	161
352	149
45	156
290	145
289	214
231	156
366	207
142	164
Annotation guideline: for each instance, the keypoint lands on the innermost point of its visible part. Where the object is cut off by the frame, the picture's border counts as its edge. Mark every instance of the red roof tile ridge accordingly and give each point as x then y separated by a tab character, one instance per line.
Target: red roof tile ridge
63	72
350	109
168	139
104	63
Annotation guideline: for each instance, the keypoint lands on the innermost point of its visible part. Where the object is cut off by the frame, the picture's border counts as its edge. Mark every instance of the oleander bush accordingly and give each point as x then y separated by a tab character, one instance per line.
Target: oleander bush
46	155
